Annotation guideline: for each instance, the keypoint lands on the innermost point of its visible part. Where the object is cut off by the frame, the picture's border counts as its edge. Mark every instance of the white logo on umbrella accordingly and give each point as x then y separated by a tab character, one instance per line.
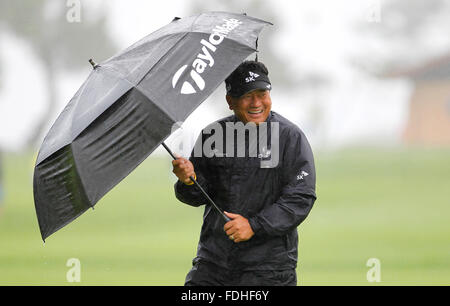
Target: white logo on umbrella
204	58
187	87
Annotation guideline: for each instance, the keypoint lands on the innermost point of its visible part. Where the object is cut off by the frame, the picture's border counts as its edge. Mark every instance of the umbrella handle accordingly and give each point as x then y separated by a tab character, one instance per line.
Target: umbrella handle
200	188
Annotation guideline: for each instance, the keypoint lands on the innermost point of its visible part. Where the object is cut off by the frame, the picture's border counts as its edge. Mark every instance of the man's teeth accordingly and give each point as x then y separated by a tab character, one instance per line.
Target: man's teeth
255	112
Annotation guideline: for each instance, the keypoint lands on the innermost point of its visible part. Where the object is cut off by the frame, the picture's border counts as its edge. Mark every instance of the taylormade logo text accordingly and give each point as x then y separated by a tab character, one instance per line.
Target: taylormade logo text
204	58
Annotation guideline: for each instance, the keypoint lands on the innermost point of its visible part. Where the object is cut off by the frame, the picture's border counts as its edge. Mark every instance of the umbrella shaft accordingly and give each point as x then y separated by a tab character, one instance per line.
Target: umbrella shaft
200	187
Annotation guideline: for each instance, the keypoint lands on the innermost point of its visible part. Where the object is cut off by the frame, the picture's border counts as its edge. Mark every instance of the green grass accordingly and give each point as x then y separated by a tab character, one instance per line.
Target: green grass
392	205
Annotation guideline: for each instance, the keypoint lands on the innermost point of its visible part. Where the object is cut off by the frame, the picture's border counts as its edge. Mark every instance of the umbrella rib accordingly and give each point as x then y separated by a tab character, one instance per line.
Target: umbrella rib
135	86
132	110
156	105
161	58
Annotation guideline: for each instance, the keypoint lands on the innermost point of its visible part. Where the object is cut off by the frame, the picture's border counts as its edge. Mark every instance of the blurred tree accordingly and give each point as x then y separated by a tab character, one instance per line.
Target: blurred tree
408	31
61	42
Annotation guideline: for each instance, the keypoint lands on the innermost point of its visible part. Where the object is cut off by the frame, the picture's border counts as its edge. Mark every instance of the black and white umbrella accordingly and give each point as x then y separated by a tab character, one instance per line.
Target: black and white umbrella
127	106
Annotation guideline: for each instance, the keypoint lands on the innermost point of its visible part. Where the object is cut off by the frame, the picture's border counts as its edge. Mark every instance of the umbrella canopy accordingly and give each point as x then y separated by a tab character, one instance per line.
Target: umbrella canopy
127	107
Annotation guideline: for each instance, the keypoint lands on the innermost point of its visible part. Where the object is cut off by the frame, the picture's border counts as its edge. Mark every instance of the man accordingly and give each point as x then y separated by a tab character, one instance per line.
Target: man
266	195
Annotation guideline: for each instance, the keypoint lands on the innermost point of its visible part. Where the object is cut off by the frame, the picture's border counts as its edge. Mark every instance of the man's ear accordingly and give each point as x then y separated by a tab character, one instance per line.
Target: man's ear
229	101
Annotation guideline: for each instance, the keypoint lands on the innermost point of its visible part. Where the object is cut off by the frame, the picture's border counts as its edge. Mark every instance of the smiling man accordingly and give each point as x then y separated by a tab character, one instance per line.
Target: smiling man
248	92
265	202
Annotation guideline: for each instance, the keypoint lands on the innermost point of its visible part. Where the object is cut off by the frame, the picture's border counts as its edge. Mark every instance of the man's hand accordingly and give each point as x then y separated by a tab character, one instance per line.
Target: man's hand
183	169
238	229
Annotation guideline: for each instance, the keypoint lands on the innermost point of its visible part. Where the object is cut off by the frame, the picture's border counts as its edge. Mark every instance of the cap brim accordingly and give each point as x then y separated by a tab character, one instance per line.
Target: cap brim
253	86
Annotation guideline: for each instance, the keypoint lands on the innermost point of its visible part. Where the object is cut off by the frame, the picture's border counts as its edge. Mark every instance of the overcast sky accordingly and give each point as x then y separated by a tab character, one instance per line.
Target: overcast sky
317	36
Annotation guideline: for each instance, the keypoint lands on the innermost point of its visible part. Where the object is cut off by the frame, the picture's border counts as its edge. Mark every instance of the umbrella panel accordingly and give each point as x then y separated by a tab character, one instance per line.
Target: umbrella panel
75	177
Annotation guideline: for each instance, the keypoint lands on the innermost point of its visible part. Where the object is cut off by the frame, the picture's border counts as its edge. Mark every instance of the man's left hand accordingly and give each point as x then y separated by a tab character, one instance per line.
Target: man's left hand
238	229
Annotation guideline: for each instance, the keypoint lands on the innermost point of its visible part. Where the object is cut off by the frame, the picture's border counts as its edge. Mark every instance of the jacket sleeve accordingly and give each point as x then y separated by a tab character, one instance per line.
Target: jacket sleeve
298	189
190	194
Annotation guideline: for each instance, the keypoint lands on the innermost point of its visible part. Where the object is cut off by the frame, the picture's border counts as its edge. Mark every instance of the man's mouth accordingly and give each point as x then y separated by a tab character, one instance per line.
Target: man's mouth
255	112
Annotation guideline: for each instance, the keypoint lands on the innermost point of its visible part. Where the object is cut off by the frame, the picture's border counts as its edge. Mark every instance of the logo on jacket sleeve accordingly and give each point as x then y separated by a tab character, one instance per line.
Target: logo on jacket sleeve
302	175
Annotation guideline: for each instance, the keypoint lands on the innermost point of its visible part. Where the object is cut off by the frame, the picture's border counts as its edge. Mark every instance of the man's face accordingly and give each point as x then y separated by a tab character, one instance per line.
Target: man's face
252	107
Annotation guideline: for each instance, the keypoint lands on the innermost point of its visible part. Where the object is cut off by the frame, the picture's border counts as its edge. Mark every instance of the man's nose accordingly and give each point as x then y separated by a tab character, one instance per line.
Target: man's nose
255	102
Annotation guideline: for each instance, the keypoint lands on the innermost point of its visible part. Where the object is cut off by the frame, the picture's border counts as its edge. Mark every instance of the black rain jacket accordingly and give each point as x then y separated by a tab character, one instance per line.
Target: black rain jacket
274	195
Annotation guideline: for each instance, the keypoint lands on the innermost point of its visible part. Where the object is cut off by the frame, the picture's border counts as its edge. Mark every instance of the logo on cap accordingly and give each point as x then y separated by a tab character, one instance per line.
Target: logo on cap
252	77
